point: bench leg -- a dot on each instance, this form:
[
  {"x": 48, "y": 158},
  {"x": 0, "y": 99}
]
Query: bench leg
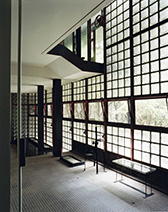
[
  {"x": 117, "y": 178},
  {"x": 85, "y": 164},
  {"x": 146, "y": 191}
]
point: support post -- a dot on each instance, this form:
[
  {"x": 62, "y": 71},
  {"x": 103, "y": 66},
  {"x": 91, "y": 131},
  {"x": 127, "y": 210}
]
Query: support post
[
  {"x": 5, "y": 29},
  {"x": 46, "y": 114},
  {"x": 72, "y": 115},
  {"x": 19, "y": 104},
  {"x": 105, "y": 91},
  {"x": 132, "y": 101},
  {"x": 96, "y": 153},
  {"x": 86, "y": 115},
  {"x": 40, "y": 120},
  {"x": 57, "y": 117}
]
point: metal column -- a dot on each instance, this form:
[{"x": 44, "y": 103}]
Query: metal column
[{"x": 19, "y": 104}]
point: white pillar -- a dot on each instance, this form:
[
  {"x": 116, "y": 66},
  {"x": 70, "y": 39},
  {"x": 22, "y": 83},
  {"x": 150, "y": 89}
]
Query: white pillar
[{"x": 5, "y": 42}]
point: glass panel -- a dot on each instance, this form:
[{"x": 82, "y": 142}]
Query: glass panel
[
  {"x": 68, "y": 42},
  {"x": 164, "y": 163},
  {"x": 49, "y": 110},
  {"x": 48, "y": 132},
  {"x": 84, "y": 45},
  {"x": 95, "y": 111},
  {"x": 66, "y": 110},
  {"x": 164, "y": 138},
  {"x": 31, "y": 110},
  {"x": 164, "y": 150},
  {"x": 66, "y": 136},
  {"x": 99, "y": 45},
  {"x": 79, "y": 111},
  {"x": 151, "y": 112},
  {"x": 155, "y": 160},
  {"x": 118, "y": 111},
  {"x": 79, "y": 129},
  {"x": 66, "y": 92},
  {"x": 79, "y": 90}
]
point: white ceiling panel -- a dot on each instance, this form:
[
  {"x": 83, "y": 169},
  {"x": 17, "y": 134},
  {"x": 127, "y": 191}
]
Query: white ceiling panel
[{"x": 46, "y": 23}]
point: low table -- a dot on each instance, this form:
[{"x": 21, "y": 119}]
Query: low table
[
  {"x": 71, "y": 160},
  {"x": 137, "y": 167}
]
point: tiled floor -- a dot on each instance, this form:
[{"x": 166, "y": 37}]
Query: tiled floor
[{"x": 51, "y": 186}]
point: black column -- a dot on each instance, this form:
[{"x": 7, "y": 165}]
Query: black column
[
  {"x": 57, "y": 117},
  {"x": 5, "y": 54},
  {"x": 40, "y": 119}
]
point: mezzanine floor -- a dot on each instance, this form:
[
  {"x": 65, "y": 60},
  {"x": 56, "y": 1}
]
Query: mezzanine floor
[{"x": 51, "y": 186}]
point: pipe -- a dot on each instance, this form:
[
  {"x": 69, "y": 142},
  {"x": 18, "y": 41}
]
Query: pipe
[{"x": 19, "y": 104}]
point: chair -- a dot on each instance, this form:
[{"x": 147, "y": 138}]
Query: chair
[{"x": 90, "y": 155}]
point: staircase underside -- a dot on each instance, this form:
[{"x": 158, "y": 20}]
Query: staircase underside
[{"x": 76, "y": 60}]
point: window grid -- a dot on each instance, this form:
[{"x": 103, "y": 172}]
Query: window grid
[
  {"x": 150, "y": 61},
  {"x": 79, "y": 90},
  {"x": 78, "y": 132},
  {"x": 24, "y": 109},
  {"x": 67, "y": 92},
  {"x": 145, "y": 14},
  {"x": 117, "y": 21},
  {"x": 148, "y": 13},
  {"x": 96, "y": 87},
  {"x": 32, "y": 98},
  {"x": 31, "y": 127},
  {"x": 119, "y": 141},
  {"x": 36, "y": 133},
  {"x": 118, "y": 70},
  {"x": 151, "y": 147},
  {"x": 49, "y": 96},
  {"x": 92, "y": 136},
  {"x": 31, "y": 110},
  {"x": 66, "y": 136},
  {"x": 48, "y": 135}
]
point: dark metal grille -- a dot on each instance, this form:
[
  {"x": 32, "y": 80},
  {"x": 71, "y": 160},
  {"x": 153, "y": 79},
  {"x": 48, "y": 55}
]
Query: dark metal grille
[
  {"x": 66, "y": 93},
  {"x": 96, "y": 87},
  {"x": 78, "y": 132},
  {"x": 119, "y": 140},
  {"x": 79, "y": 90}
]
